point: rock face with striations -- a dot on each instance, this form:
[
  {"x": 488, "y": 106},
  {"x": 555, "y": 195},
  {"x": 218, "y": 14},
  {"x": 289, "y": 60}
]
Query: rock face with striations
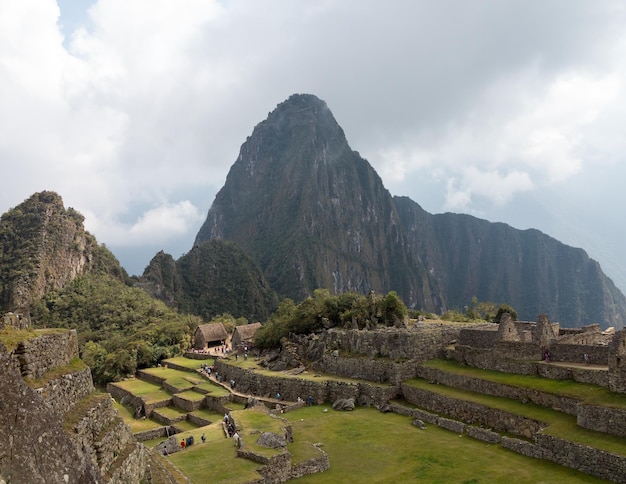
[{"x": 312, "y": 213}]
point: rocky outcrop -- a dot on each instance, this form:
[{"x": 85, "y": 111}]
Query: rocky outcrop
[
  {"x": 56, "y": 428},
  {"x": 34, "y": 446},
  {"x": 44, "y": 247}
]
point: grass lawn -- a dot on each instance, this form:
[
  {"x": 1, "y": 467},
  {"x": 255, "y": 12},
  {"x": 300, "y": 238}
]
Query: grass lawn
[
  {"x": 179, "y": 379},
  {"x": 188, "y": 362},
  {"x": 191, "y": 396},
  {"x": 136, "y": 425},
  {"x": 215, "y": 461},
  {"x": 368, "y": 446},
  {"x": 213, "y": 389},
  {"x": 186, "y": 425},
  {"x": 568, "y": 388},
  {"x": 150, "y": 392},
  {"x": 208, "y": 414},
  {"x": 171, "y": 412}
]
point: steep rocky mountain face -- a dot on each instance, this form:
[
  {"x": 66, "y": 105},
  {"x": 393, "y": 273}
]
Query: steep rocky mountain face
[
  {"x": 312, "y": 213},
  {"x": 525, "y": 268},
  {"x": 215, "y": 277},
  {"x": 44, "y": 246}
]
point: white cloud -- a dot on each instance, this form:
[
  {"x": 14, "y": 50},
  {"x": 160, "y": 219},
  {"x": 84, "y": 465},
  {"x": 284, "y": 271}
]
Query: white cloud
[{"x": 137, "y": 117}]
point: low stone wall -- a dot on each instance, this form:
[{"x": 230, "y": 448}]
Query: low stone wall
[
  {"x": 595, "y": 462},
  {"x": 598, "y": 355},
  {"x": 219, "y": 404},
  {"x": 594, "y": 376},
  {"x": 564, "y": 404},
  {"x": 164, "y": 431},
  {"x": 311, "y": 466},
  {"x": 417, "y": 413},
  {"x": 382, "y": 370},
  {"x": 603, "y": 419},
  {"x": 472, "y": 412},
  {"x": 484, "y": 435},
  {"x": 133, "y": 468},
  {"x": 290, "y": 388},
  {"x": 586, "y": 459},
  {"x": 39, "y": 355},
  {"x": 64, "y": 392},
  {"x": 493, "y": 359},
  {"x": 186, "y": 405},
  {"x": 150, "y": 377},
  {"x": 276, "y": 468},
  {"x": 523, "y": 447},
  {"x": 199, "y": 421},
  {"x": 128, "y": 398},
  {"x": 196, "y": 356},
  {"x": 481, "y": 337}
]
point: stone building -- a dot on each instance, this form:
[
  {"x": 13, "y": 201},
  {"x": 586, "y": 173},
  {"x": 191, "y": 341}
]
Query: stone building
[
  {"x": 244, "y": 334},
  {"x": 208, "y": 335}
]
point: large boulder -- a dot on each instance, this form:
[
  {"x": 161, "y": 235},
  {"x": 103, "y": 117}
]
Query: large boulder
[
  {"x": 344, "y": 404},
  {"x": 271, "y": 440}
]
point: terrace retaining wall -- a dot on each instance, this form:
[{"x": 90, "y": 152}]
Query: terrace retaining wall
[
  {"x": 64, "y": 392},
  {"x": 290, "y": 388},
  {"x": 470, "y": 412},
  {"x": 564, "y": 404},
  {"x": 39, "y": 355}
]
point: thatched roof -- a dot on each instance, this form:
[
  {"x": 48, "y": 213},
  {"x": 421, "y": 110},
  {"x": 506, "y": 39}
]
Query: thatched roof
[
  {"x": 246, "y": 331},
  {"x": 213, "y": 332}
]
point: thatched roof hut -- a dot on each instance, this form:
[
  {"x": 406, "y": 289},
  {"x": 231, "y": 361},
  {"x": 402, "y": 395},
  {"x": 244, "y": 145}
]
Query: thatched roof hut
[
  {"x": 207, "y": 335},
  {"x": 244, "y": 334}
]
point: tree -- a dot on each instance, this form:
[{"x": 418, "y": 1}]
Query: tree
[{"x": 505, "y": 308}]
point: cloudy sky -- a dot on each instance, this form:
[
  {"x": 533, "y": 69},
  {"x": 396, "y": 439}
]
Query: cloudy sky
[{"x": 134, "y": 110}]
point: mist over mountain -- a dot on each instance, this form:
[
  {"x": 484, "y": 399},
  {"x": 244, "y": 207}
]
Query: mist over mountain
[
  {"x": 313, "y": 213},
  {"x": 301, "y": 210}
]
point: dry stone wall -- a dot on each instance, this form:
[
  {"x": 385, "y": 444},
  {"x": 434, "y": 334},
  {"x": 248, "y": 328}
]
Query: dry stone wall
[
  {"x": 64, "y": 392},
  {"x": 422, "y": 342},
  {"x": 472, "y": 412},
  {"x": 39, "y": 355},
  {"x": 565, "y": 404},
  {"x": 381, "y": 370},
  {"x": 603, "y": 419},
  {"x": 290, "y": 388},
  {"x": 586, "y": 459}
]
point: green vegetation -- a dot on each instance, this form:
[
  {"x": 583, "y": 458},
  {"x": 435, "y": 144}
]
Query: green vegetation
[
  {"x": 120, "y": 328},
  {"x": 214, "y": 461},
  {"x": 187, "y": 362},
  {"x": 480, "y": 311},
  {"x": 11, "y": 337},
  {"x": 218, "y": 277},
  {"x": 324, "y": 310},
  {"x": 368, "y": 446},
  {"x": 150, "y": 392}
]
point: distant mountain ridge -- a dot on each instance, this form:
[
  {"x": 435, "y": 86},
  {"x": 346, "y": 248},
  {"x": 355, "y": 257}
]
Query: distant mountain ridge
[{"x": 313, "y": 213}]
